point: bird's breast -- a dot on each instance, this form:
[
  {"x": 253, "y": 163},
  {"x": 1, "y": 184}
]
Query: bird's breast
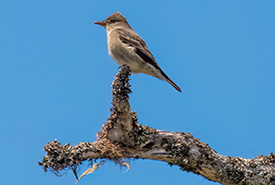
[
  {"x": 125, "y": 54},
  {"x": 122, "y": 53}
]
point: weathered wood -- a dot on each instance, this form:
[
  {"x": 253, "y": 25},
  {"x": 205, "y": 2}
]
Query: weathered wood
[{"x": 121, "y": 137}]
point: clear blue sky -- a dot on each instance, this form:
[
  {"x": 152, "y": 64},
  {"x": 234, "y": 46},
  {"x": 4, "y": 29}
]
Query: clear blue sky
[{"x": 55, "y": 77}]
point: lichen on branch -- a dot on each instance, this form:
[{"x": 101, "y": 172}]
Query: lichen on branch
[{"x": 122, "y": 138}]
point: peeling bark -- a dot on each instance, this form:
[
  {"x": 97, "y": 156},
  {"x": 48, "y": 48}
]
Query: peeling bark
[{"x": 121, "y": 137}]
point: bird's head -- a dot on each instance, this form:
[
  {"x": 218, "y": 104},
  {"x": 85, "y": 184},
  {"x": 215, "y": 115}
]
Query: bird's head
[{"x": 113, "y": 21}]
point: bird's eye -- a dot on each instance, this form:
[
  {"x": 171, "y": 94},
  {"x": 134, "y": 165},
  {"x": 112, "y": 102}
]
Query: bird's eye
[{"x": 112, "y": 20}]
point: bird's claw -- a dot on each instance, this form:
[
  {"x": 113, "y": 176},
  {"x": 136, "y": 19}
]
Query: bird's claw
[{"x": 120, "y": 67}]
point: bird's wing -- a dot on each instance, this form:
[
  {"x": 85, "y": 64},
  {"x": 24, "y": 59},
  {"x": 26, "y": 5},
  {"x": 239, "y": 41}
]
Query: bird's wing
[{"x": 132, "y": 39}]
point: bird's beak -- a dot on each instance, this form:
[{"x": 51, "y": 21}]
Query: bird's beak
[{"x": 101, "y": 23}]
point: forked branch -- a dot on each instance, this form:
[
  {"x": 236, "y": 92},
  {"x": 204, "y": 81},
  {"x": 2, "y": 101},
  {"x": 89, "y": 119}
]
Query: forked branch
[{"x": 121, "y": 137}]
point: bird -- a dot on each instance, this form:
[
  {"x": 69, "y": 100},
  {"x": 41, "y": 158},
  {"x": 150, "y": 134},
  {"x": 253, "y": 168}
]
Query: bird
[{"x": 126, "y": 47}]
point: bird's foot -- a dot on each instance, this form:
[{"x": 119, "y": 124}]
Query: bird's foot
[{"x": 120, "y": 67}]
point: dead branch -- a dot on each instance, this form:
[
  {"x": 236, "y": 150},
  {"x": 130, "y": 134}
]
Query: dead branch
[{"x": 121, "y": 137}]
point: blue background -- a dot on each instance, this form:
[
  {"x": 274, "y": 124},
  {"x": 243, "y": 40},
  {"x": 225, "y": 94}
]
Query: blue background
[{"x": 55, "y": 77}]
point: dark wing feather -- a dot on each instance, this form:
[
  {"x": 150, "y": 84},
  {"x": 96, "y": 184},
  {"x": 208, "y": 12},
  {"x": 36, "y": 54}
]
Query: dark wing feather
[
  {"x": 141, "y": 49},
  {"x": 133, "y": 39}
]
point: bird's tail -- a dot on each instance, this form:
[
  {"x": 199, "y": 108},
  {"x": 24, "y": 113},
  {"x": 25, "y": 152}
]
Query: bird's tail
[
  {"x": 173, "y": 84},
  {"x": 166, "y": 78}
]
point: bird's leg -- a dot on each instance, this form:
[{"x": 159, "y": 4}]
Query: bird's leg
[{"x": 119, "y": 67}]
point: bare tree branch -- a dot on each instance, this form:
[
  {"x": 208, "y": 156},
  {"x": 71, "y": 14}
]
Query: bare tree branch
[{"x": 121, "y": 137}]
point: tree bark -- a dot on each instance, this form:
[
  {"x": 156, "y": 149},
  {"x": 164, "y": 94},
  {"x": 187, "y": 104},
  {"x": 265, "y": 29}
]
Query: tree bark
[{"x": 121, "y": 137}]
